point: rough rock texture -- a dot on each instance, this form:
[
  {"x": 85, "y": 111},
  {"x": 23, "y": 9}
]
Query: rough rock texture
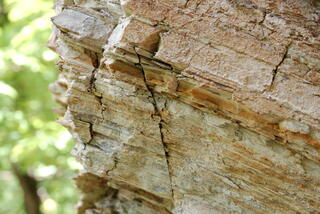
[{"x": 192, "y": 106}]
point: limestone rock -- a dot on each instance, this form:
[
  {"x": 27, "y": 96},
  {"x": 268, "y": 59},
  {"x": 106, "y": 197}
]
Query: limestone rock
[{"x": 191, "y": 106}]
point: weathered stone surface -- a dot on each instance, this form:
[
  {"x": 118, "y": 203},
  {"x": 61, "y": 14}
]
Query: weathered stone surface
[{"x": 191, "y": 106}]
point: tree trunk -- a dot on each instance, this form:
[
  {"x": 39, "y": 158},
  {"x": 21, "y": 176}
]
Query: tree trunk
[
  {"x": 29, "y": 186},
  {"x": 192, "y": 106}
]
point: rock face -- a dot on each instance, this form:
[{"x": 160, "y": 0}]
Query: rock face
[{"x": 192, "y": 106}]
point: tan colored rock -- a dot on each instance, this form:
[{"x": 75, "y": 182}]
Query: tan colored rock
[
  {"x": 191, "y": 107},
  {"x": 294, "y": 126}
]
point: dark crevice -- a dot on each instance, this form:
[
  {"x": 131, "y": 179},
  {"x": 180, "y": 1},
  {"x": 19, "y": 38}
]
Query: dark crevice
[
  {"x": 95, "y": 59},
  {"x": 91, "y": 132},
  {"x": 92, "y": 86},
  {"x": 157, "y": 113},
  {"x": 197, "y": 5},
  {"x": 186, "y": 4},
  {"x": 264, "y": 17},
  {"x": 275, "y": 70},
  {"x": 116, "y": 161},
  {"x": 90, "y": 129}
]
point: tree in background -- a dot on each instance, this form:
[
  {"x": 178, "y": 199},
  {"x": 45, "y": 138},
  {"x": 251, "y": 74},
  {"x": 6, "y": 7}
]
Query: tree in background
[{"x": 31, "y": 140}]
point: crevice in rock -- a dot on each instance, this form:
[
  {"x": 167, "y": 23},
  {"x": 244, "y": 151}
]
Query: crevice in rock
[
  {"x": 90, "y": 129},
  {"x": 92, "y": 86},
  {"x": 115, "y": 161},
  {"x": 91, "y": 132},
  {"x": 157, "y": 113},
  {"x": 197, "y": 5},
  {"x": 275, "y": 70},
  {"x": 229, "y": 180},
  {"x": 264, "y": 17},
  {"x": 186, "y": 4}
]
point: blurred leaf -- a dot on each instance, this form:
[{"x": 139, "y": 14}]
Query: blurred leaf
[{"x": 6, "y": 89}]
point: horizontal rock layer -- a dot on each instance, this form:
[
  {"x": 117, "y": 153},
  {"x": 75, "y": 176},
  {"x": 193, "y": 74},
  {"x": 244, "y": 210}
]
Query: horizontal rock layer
[{"x": 191, "y": 106}]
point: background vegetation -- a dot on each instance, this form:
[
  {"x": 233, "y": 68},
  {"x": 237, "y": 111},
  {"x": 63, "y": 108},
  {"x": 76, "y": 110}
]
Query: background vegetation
[{"x": 29, "y": 136}]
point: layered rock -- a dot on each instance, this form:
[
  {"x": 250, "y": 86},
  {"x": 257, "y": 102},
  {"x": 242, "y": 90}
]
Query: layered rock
[{"x": 192, "y": 106}]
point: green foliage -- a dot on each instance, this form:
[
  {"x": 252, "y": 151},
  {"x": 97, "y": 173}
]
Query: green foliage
[{"x": 29, "y": 135}]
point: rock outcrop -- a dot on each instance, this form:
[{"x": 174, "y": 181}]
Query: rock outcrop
[{"x": 192, "y": 106}]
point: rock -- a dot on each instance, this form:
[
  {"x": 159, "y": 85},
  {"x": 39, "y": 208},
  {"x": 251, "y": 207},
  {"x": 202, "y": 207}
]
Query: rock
[
  {"x": 191, "y": 107},
  {"x": 294, "y": 126}
]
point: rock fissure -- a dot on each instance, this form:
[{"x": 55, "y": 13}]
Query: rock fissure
[
  {"x": 91, "y": 132},
  {"x": 92, "y": 89},
  {"x": 186, "y": 3},
  {"x": 275, "y": 70},
  {"x": 157, "y": 113},
  {"x": 115, "y": 161}
]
